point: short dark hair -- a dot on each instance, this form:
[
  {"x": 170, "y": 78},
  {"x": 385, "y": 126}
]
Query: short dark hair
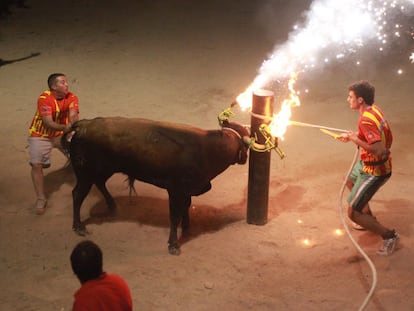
[
  {"x": 86, "y": 261},
  {"x": 365, "y": 90},
  {"x": 51, "y": 80}
]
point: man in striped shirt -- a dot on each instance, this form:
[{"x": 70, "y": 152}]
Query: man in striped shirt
[
  {"x": 57, "y": 109},
  {"x": 374, "y": 139}
]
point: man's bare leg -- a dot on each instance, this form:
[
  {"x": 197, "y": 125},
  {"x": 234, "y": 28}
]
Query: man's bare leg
[{"x": 38, "y": 183}]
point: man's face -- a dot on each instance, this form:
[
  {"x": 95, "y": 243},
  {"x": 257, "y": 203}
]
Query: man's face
[
  {"x": 354, "y": 102},
  {"x": 61, "y": 87}
]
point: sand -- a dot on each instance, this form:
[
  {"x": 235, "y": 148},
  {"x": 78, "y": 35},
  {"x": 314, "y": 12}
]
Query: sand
[{"x": 185, "y": 62}]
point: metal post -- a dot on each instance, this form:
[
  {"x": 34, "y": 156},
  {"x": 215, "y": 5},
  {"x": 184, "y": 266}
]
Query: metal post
[{"x": 259, "y": 162}]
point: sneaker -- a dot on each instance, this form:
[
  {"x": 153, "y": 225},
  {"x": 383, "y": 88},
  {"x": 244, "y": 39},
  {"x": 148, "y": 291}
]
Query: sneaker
[
  {"x": 388, "y": 245},
  {"x": 40, "y": 206},
  {"x": 358, "y": 227}
]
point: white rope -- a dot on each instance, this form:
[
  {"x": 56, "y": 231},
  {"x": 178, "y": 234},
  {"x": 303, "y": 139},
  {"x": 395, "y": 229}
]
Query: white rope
[
  {"x": 361, "y": 251},
  {"x": 297, "y": 123},
  {"x": 231, "y": 130},
  {"x": 317, "y": 126}
]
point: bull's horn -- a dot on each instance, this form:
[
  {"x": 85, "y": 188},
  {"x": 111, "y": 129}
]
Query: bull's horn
[{"x": 251, "y": 143}]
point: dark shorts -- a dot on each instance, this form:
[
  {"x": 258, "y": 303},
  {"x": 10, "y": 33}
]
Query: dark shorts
[{"x": 365, "y": 186}]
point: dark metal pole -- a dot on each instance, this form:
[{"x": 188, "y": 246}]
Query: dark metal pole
[{"x": 259, "y": 162}]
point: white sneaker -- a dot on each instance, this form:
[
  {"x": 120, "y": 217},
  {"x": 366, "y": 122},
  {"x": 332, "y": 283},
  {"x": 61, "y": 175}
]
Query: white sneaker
[
  {"x": 40, "y": 206},
  {"x": 388, "y": 245},
  {"x": 358, "y": 227}
]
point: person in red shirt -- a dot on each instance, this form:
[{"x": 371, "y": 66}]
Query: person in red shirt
[
  {"x": 57, "y": 109},
  {"x": 100, "y": 291},
  {"x": 374, "y": 139}
]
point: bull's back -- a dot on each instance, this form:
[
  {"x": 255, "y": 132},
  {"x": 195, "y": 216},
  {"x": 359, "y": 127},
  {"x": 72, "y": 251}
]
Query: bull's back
[{"x": 151, "y": 151}]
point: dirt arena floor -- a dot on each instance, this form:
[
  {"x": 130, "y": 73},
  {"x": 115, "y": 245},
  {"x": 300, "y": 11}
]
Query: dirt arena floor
[{"x": 186, "y": 61}]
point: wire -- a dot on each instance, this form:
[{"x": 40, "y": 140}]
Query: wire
[{"x": 361, "y": 251}]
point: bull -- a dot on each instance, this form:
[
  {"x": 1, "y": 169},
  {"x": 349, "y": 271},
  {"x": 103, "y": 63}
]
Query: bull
[{"x": 179, "y": 158}]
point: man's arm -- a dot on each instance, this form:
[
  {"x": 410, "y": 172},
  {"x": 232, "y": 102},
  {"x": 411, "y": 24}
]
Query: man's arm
[
  {"x": 73, "y": 116},
  {"x": 377, "y": 148},
  {"x": 49, "y": 123}
]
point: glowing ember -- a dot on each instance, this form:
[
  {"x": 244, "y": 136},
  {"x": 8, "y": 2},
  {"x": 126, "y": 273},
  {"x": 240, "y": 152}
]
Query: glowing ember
[
  {"x": 339, "y": 232},
  {"x": 307, "y": 243}
]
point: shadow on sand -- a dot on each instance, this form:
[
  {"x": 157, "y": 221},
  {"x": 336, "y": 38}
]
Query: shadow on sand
[
  {"x": 155, "y": 212},
  {"x": 54, "y": 180}
]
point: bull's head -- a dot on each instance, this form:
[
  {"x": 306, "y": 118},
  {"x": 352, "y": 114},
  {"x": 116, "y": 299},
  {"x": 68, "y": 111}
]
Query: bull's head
[{"x": 243, "y": 134}]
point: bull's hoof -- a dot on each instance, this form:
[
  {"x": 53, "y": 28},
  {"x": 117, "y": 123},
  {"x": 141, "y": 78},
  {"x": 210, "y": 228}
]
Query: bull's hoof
[
  {"x": 80, "y": 230},
  {"x": 174, "y": 249}
]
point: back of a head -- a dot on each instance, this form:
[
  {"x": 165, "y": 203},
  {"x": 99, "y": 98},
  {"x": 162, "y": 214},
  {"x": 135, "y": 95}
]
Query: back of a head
[{"x": 86, "y": 261}]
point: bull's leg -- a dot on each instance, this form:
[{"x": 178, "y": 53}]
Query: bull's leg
[
  {"x": 108, "y": 197},
  {"x": 179, "y": 203},
  {"x": 185, "y": 223},
  {"x": 79, "y": 194}
]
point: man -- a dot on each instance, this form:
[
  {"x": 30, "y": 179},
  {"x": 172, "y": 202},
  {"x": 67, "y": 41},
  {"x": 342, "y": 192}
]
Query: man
[
  {"x": 374, "y": 139},
  {"x": 56, "y": 110},
  {"x": 99, "y": 290}
]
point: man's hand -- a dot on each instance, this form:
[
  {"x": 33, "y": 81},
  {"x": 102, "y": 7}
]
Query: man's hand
[
  {"x": 67, "y": 128},
  {"x": 350, "y": 136}
]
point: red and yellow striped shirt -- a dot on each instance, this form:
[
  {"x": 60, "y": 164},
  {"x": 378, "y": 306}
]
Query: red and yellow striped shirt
[
  {"x": 372, "y": 128},
  {"x": 48, "y": 105}
]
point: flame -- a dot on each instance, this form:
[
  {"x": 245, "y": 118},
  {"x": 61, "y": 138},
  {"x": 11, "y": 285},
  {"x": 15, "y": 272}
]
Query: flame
[
  {"x": 280, "y": 120},
  {"x": 245, "y": 99}
]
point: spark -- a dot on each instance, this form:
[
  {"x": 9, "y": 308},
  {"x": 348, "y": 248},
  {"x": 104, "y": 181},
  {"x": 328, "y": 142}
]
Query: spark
[{"x": 332, "y": 30}]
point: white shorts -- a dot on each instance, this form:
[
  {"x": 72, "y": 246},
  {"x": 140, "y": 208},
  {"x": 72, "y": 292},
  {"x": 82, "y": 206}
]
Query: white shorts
[{"x": 40, "y": 149}]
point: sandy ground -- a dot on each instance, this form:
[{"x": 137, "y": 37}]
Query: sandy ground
[{"x": 185, "y": 62}]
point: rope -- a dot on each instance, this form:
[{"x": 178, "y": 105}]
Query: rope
[
  {"x": 361, "y": 251},
  {"x": 232, "y": 130}
]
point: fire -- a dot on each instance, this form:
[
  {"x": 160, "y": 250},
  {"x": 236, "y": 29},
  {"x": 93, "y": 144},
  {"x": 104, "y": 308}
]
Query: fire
[
  {"x": 280, "y": 121},
  {"x": 245, "y": 99}
]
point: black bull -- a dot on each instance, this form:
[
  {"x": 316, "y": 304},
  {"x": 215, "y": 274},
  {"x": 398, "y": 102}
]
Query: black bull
[{"x": 176, "y": 157}]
